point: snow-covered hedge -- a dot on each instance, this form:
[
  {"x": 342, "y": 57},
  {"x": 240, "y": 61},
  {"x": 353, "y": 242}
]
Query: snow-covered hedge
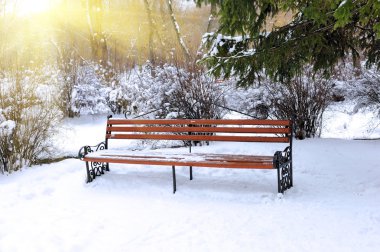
[
  {"x": 252, "y": 101},
  {"x": 6, "y": 131},
  {"x": 29, "y": 99},
  {"x": 28, "y": 118},
  {"x": 171, "y": 92},
  {"x": 90, "y": 93}
]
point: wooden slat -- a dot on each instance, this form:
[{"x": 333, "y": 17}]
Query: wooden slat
[
  {"x": 200, "y": 121},
  {"x": 212, "y": 164},
  {"x": 240, "y": 158},
  {"x": 199, "y": 138},
  {"x": 206, "y": 157},
  {"x": 200, "y": 129}
]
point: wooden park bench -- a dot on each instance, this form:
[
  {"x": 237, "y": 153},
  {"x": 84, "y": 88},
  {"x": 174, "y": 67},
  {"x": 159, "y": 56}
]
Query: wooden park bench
[{"x": 99, "y": 157}]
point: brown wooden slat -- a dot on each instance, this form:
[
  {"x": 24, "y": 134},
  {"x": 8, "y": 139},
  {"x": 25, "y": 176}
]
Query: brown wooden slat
[
  {"x": 201, "y": 122},
  {"x": 201, "y": 129},
  {"x": 207, "y": 157},
  {"x": 240, "y": 159},
  {"x": 213, "y": 164},
  {"x": 199, "y": 138}
]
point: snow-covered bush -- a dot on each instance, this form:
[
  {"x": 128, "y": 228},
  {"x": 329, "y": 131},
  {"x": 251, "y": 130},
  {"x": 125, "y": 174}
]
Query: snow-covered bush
[
  {"x": 28, "y": 118},
  {"x": 6, "y": 132},
  {"x": 252, "y": 101},
  {"x": 89, "y": 94},
  {"x": 143, "y": 89},
  {"x": 362, "y": 89},
  {"x": 116, "y": 101},
  {"x": 172, "y": 92},
  {"x": 68, "y": 66},
  {"x": 368, "y": 92},
  {"x": 194, "y": 95},
  {"x": 306, "y": 97},
  {"x": 87, "y": 88}
]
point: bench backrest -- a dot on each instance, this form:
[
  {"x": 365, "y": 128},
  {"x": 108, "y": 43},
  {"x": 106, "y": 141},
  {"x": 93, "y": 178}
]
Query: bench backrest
[{"x": 242, "y": 130}]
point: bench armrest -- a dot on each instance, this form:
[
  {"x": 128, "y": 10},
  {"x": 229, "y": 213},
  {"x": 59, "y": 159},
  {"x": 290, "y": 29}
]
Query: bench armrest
[
  {"x": 282, "y": 161},
  {"x": 282, "y": 157},
  {"x": 88, "y": 149}
]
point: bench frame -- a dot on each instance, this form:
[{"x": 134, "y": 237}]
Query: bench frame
[{"x": 282, "y": 160}]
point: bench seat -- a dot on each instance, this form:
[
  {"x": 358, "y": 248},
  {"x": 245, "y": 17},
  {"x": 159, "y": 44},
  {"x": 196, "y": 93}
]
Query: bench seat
[{"x": 188, "y": 159}]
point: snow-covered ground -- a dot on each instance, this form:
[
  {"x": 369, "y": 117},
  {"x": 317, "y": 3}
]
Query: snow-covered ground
[
  {"x": 340, "y": 121},
  {"x": 333, "y": 206}
]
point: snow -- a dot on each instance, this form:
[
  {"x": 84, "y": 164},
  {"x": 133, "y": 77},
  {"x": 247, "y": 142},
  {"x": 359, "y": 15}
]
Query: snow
[
  {"x": 181, "y": 155},
  {"x": 342, "y": 3},
  {"x": 7, "y": 127},
  {"x": 218, "y": 40},
  {"x": 334, "y": 204},
  {"x": 341, "y": 122}
]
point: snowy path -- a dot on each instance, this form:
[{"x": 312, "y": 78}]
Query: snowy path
[{"x": 334, "y": 206}]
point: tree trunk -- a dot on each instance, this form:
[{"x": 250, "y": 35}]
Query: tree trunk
[
  {"x": 67, "y": 60},
  {"x": 97, "y": 37},
  {"x": 212, "y": 18},
  {"x": 180, "y": 40},
  {"x": 356, "y": 63},
  {"x": 151, "y": 31},
  {"x": 210, "y": 26}
]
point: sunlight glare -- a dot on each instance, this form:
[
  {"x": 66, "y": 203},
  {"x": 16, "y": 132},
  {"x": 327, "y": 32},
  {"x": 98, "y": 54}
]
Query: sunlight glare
[{"x": 30, "y": 7}]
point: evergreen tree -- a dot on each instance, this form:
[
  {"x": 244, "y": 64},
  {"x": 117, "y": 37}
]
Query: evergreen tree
[{"x": 321, "y": 33}]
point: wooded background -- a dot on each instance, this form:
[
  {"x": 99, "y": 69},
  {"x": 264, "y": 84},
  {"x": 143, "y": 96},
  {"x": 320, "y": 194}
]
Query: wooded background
[{"x": 118, "y": 33}]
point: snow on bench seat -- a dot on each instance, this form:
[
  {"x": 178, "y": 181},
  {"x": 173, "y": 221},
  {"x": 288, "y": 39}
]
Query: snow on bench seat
[{"x": 188, "y": 159}]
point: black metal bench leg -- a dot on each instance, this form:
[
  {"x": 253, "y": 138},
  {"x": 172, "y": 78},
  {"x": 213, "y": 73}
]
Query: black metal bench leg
[
  {"x": 95, "y": 169},
  {"x": 279, "y": 180},
  {"x": 174, "y": 181},
  {"x": 291, "y": 174},
  {"x": 191, "y": 173},
  {"x": 89, "y": 177},
  {"x": 284, "y": 177}
]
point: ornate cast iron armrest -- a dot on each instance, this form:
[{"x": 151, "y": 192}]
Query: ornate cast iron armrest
[
  {"x": 88, "y": 149},
  {"x": 283, "y": 163},
  {"x": 282, "y": 157}
]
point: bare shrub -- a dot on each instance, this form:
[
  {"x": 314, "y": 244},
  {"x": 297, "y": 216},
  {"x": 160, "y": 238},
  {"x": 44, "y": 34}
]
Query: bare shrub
[
  {"x": 305, "y": 97},
  {"x": 33, "y": 117},
  {"x": 69, "y": 75},
  {"x": 87, "y": 88},
  {"x": 116, "y": 101},
  {"x": 6, "y": 133},
  {"x": 251, "y": 101},
  {"x": 170, "y": 91},
  {"x": 368, "y": 92},
  {"x": 195, "y": 96}
]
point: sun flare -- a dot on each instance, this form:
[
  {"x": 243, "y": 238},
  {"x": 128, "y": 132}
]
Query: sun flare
[{"x": 30, "y": 7}]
